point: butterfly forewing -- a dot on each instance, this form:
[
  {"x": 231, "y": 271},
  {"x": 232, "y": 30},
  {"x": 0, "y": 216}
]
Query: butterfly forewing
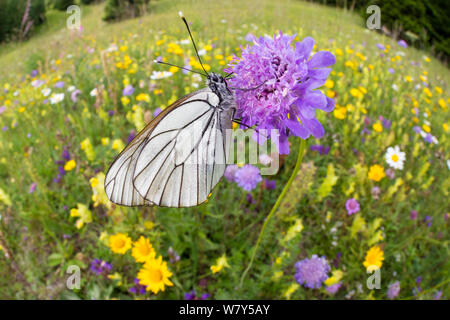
[{"x": 177, "y": 159}]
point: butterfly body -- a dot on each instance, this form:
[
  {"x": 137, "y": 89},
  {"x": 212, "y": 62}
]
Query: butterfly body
[{"x": 180, "y": 156}]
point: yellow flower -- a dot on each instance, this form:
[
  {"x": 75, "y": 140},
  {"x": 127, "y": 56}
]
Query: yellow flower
[
  {"x": 220, "y": 264},
  {"x": 329, "y": 84},
  {"x": 119, "y": 243},
  {"x": 376, "y": 172},
  {"x": 70, "y": 165},
  {"x": 149, "y": 225},
  {"x": 88, "y": 149},
  {"x": 426, "y": 128},
  {"x": 143, "y": 97},
  {"x": 438, "y": 90},
  {"x": 118, "y": 145},
  {"x": 83, "y": 213},
  {"x": 143, "y": 250},
  {"x": 442, "y": 103},
  {"x": 336, "y": 276},
  {"x": 339, "y": 52},
  {"x": 155, "y": 275},
  {"x": 374, "y": 258},
  {"x": 125, "y": 100},
  {"x": 105, "y": 141},
  {"x": 340, "y": 112},
  {"x": 445, "y": 126},
  {"x": 427, "y": 92},
  {"x": 356, "y": 93},
  {"x": 377, "y": 127},
  {"x": 98, "y": 191}
]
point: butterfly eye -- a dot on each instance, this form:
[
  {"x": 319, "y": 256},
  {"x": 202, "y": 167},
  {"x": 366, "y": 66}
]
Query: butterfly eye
[{"x": 215, "y": 78}]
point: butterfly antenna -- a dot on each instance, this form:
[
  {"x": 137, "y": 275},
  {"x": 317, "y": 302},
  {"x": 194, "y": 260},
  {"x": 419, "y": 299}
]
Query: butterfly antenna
[
  {"x": 193, "y": 42},
  {"x": 173, "y": 65}
]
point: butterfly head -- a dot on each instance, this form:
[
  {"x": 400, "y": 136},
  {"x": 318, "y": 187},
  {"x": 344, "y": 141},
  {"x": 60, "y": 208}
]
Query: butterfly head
[{"x": 217, "y": 84}]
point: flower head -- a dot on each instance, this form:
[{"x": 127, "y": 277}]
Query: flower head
[
  {"x": 142, "y": 250},
  {"x": 393, "y": 290},
  {"x": 395, "y": 158},
  {"x": 220, "y": 264},
  {"x": 284, "y": 80},
  {"x": 376, "y": 172},
  {"x": 100, "y": 267},
  {"x": 119, "y": 243},
  {"x": 312, "y": 272},
  {"x": 155, "y": 275},
  {"x": 247, "y": 177},
  {"x": 83, "y": 214},
  {"x": 230, "y": 171},
  {"x": 374, "y": 258},
  {"x": 352, "y": 206}
]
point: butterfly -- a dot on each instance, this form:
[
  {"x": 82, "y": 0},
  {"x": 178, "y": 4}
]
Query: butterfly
[{"x": 180, "y": 156}]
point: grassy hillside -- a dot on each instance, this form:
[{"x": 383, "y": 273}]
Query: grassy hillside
[{"x": 65, "y": 115}]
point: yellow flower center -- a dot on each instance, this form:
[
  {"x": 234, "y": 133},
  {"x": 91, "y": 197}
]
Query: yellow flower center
[
  {"x": 395, "y": 158},
  {"x": 144, "y": 250},
  {"x": 119, "y": 243},
  {"x": 155, "y": 275}
]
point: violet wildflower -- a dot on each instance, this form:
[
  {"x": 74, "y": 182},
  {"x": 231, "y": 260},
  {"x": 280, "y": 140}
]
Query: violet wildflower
[
  {"x": 413, "y": 214},
  {"x": 59, "y": 84},
  {"x": 156, "y": 112},
  {"x": 131, "y": 135},
  {"x": 352, "y": 206},
  {"x": 287, "y": 100},
  {"x": 32, "y": 187},
  {"x": 321, "y": 149},
  {"x": 402, "y": 43},
  {"x": 438, "y": 295},
  {"x": 381, "y": 46},
  {"x": 428, "y": 220},
  {"x": 376, "y": 191},
  {"x": 333, "y": 288},
  {"x": 312, "y": 272},
  {"x": 390, "y": 173},
  {"x": 247, "y": 177},
  {"x": 270, "y": 184},
  {"x": 2, "y": 109},
  {"x": 191, "y": 295},
  {"x": 74, "y": 95},
  {"x": 391, "y": 71},
  {"x": 173, "y": 255},
  {"x": 393, "y": 290},
  {"x": 128, "y": 90},
  {"x": 138, "y": 288},
  {"x": 230, "y": 171},
  {"x": 100, "y": 267}
]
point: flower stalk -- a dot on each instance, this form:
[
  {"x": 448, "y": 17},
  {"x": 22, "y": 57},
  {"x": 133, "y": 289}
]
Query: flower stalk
[{"x": 301, "y": 152}]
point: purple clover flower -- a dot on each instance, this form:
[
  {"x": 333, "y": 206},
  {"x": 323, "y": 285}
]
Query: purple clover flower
[
  {"x": 312, "y": 272},
  {"x": 413, "y": 215},
  {"x": 287, "y": 94},
  {"x": 393, "y": 290},
  {"x": 247, "y": 177},
  {"x": 352, "y": 206}
]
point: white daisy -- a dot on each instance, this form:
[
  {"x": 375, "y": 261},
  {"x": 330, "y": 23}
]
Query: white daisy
[
  {"x": 156, "y": 75},
  {"x": 395, "y": 158},
  {"x": 56, "y": 97}
]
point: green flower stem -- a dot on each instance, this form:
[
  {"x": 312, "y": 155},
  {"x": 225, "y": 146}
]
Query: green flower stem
[{"x": 301, "y": 152}]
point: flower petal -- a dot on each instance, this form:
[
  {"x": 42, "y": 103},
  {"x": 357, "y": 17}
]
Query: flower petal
[
  {"x": 297, "y": 128},
  {"x": 314, "y": 126},
  {"x": 322, "y": 59},
  {"x": 303, "y": 49}
]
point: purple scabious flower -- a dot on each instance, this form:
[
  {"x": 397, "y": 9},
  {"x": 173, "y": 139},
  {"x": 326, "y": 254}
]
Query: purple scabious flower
[
  {"x": 59, "y": 84},
  {"x": 402, "y": 43},
  {"x": 100, "y": 267},
  {"x": 128, "y": 90},
  {"x": 352, "y": 206},
  {"x": 393, "y": 290},
  {"x": 284, "y": 80},
  {"x": 247, "y": 177},
  {"x": 312, "y": 272},
  {"x": 230, "y": 171}
]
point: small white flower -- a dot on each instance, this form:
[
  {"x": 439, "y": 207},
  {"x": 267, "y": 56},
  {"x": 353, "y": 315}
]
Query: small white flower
[
  {"x": 201, "y": 52},
  {"x": 56, "y": 97},
  {"x": 395, "y": 158},
  {"x": 448, "y": 164},
  {"x": 37, "y": 83},
  {"x": 94, "y": 92},
  {"x": 265, "y": 159},
  {"x": 185, "y": 41},
  {"x": 156, "y": 75},
  {"x": 46, "y": 92},
  {"x": 71, "y": 88},
  {"x": 395, "y": 87}
]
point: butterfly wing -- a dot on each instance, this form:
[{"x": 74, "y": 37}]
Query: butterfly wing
[{"x": 173, "y": 161}]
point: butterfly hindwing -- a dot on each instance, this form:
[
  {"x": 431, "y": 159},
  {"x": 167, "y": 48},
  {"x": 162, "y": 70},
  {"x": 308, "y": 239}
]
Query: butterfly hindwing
[{"x": 176, "y": 159}]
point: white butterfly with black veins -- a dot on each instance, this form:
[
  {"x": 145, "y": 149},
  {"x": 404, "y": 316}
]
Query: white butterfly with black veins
[{"x": 180, "y": 156}]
